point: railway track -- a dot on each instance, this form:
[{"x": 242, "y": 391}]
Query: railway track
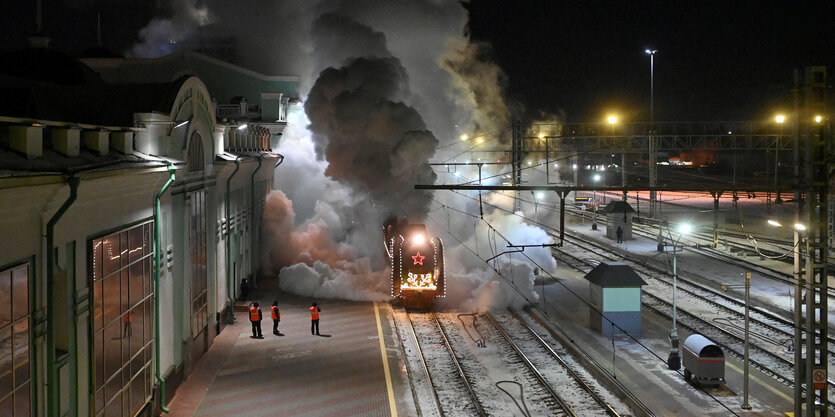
[
  {"x": 445, "y": 380},
  {"x": 772, "y": 333},
  {"x": 578, "y": 391},
  {"x": 466, "y": 368}
]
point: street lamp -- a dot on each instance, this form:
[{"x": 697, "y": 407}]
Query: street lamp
[
  {"x": 747, "y": 285},
  {"x": 779, "y": 119},
  {"x": 674, "y": 359},
  {"x": 652, "y": 167},
  {"x": 536, "y": 197},
  {"x": 594, "y": 202},
  {"x": 651, "y": 53}
]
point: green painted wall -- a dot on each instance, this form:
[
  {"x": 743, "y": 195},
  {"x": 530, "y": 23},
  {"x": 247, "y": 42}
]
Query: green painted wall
[{"x": 621, "y": 299}]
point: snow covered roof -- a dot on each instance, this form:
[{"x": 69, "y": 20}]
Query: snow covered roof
[
  {"x": 614, "y": 275},
  {"x": 618, "y": 206}
]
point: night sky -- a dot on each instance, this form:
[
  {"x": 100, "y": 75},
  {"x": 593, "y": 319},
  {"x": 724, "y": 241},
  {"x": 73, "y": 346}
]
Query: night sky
[
  {"x": 722, "y": 60},
  {"x": 579, "y": 60}
]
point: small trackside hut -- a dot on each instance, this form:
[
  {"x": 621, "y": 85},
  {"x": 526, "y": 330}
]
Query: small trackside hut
[
  {"x": 703, "y": 360},
  {"x": 615, "y": 291},
  {"x": 618, "y": 214}
]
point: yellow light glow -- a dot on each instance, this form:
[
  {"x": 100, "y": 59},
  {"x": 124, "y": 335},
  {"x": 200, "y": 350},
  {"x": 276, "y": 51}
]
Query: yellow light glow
[
  {"x": 774, "y": 223},
  {"x": 419, "y": 239},
  {"x": 464, "y": 137},
  {"x": 818, "y": 119},
  {"x": 780, "y": 118},
  {"x": 419, "y": 282},
  {"x": 541, "y": 135},
  {"x": 480, "y": 140},
  {"x": 613, "y": 120},
  {"x": 800, "y": 226}
]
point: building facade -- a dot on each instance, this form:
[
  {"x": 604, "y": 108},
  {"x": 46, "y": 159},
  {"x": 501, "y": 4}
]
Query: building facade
[{"x": 131, "y": 212}]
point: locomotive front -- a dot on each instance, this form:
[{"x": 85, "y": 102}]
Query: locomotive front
[{"x": 417, "y": 272}]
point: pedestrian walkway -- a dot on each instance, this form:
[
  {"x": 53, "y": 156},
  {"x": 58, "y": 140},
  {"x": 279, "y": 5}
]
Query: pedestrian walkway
[{"x": 340, "y": 373}]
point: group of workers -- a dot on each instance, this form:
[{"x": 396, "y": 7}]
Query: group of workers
[{"x": 255, "y": 318}]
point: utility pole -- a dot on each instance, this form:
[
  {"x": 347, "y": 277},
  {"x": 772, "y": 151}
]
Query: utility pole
[
  {"x": 516, "y": 161},
  {"x": 811, "y": 256}
]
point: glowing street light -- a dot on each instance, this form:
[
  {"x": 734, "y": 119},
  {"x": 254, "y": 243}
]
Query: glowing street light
[
  {"x": 818, "y": 118},
  {"x": 779, "y": 118},
  {"x": 464, "y": 137},
  {"x": 798, "y": 227},
  {"x": 674, "y": 359}
]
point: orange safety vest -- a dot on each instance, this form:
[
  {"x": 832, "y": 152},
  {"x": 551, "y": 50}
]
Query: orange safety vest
[
  {"x": 314, "y": 313},
  {"x": 254, "y": 314},
  {"x": 276, "y": 313}
]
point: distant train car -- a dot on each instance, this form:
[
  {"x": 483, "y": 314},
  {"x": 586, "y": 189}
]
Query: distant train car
[{"x": 417, "y": 263}]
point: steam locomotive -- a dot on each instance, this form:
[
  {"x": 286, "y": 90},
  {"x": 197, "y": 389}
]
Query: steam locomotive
[{"x": 417, "y": 263}]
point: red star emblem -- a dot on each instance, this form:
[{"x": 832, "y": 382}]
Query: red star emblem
[{"x": 418, "y": 259}]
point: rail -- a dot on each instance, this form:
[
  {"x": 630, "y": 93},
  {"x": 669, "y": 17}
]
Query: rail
[
  {"x": 425, "y": 368},
  {"x": 567, "y": 408},
  {"x": 461, "y": 373},
  {"x": 609, "y": 410}
]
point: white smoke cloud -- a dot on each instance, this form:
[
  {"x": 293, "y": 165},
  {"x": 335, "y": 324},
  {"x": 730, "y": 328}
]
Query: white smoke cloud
[{"x": 385, "y": 84}]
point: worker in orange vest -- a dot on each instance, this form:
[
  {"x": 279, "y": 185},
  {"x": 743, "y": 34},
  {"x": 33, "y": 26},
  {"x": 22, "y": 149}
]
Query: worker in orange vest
[
  {"x": 276, "y": 316},
  {"x": 127, "y": 320},
  {"x": 255, "y": 318},
  {"x": 314, "y": 319}
]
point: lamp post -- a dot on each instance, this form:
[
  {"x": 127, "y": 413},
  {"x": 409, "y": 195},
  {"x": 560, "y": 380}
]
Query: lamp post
[
  {"x": 674, "y": 359},
  {"x": 651, "y": 53},
  {"x": 747, "y": 285},
  {"x": 536, "y": 198},
  {"x": 779, "y": 119},
  {"x": 652, "y": 167},
  {"x": 612, "y": 121},
  {"x": 594, "y": 203}
]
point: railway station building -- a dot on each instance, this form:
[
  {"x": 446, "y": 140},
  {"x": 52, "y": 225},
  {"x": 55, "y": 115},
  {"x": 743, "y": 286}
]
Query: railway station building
[{"x": 130, "y": 201}]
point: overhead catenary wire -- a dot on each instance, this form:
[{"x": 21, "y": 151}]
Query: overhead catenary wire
[{"x": 581, "y": 299}]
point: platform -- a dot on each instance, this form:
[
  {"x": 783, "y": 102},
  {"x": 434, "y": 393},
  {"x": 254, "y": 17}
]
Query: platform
[{"x": 340, "y": 373}]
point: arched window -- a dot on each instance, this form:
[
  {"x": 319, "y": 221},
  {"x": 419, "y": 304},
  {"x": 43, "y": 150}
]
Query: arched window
[{"x": 195, "y": 153}]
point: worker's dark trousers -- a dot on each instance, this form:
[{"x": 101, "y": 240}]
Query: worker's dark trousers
[
  {"x": 256, "y": 328},
  {"x": 314, "y": 326},
  {"x": 275, "y": 326}
]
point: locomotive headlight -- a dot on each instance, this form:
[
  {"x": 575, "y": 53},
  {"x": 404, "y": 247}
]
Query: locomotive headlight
[{"x": 418, "y": 239}]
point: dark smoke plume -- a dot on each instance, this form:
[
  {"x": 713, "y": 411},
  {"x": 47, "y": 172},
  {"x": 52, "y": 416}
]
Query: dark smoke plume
[{"x": 369, "y": 138}]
